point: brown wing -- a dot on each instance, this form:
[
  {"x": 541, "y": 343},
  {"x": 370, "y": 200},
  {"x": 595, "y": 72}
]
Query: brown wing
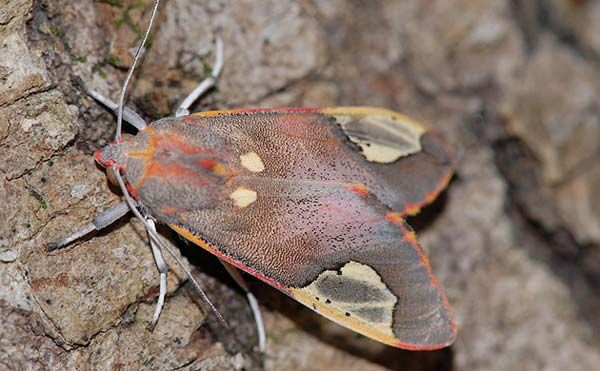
[
  {"x": 303, "y": 200},
  {"x": 338, "y": 252},
  {"x": 416, "y": 165}
]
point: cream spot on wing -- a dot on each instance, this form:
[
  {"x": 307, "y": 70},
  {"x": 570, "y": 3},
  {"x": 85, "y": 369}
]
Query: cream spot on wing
[
  {"x": 243, "y": 197},
  {"x": 381, "y": 138},
  {"x": 356, "y": 296},
  {"x": 252, "y": 162}
]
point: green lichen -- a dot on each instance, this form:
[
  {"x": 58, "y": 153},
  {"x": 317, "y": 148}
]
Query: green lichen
[
  {"x": 112, "y": 60},
  {"x": 56, "y": 31},
  {"x": 39, "y": 197},
  {"x": 127, "y": 20}
]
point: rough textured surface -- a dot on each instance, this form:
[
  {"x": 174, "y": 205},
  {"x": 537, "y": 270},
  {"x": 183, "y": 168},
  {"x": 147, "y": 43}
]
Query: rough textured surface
[
  {"x": 515, "y": 241},
  {"x": 562, "y": 130}
]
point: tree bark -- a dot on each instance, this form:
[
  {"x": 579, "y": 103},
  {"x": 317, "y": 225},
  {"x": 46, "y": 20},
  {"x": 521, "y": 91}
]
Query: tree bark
[{"x": 513, "y": 85}]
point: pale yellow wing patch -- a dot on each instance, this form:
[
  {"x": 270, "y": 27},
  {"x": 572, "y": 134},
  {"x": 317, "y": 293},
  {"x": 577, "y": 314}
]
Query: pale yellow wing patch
[
  {"x": 355, "y": 297},
  {"x": 252, "y": 162},
  {"x": 243, "y": 197},
  {"x": 383, "y": 136}
]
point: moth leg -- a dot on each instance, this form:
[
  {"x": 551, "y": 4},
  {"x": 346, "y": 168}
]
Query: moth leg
[
  {"x": 129, "y": 115},
  {"x": 162, "y": 270},
  {"x": 102, "y": 220},
  {"x": 206, "y": 84},
  {"x": 260, "y": 327}
]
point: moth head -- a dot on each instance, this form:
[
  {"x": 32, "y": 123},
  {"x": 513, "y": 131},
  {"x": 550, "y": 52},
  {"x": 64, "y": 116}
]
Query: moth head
[{"x": 114, "y": 156}]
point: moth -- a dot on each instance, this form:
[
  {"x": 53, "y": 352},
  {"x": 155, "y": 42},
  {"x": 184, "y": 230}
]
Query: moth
[{"x": 311, "y": 201}]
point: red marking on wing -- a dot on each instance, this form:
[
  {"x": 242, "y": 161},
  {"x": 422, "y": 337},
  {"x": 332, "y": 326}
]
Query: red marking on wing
[
  {"x": 175, "y": 140},
  {"x": 279, "y": 109},
  {"x": 207, "y": 164},
  {"x": 360, "y": 189},
  {"x": 415, "y": 207},
  {"x": 161, "y": 170},
  {"x": 218, "y": 168},
  {"x": 411, "y": 238},
  {"x": 189, "y": 120},
  {"x": 409, "y": 346},
  {"x": 430, "y": 196},
  {"x": 257, "y": 110},
  {"x": 251, "y": 271},
  {"x": 205, "y": 245},
  {"x": 169, "y": 210},
  {"x": 168, "y": 139}
]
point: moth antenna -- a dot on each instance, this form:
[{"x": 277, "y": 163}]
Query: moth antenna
[
  {"x": 163, "y": 245},
  {"x": 136, "y": 58}
]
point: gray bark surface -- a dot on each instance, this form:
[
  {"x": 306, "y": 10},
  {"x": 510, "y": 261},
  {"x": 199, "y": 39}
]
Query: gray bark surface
[{"x": 515, "y": 240}]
